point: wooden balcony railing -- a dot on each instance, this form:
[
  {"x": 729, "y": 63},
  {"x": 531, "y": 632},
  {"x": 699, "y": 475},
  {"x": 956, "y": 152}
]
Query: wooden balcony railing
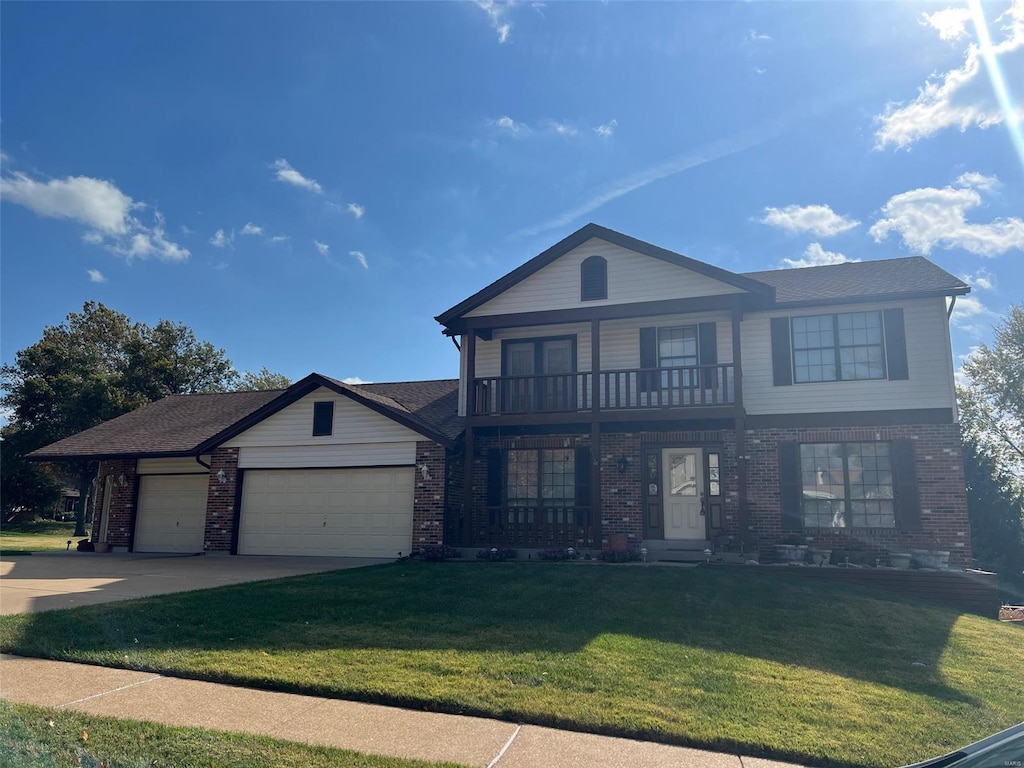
[{"x": 693, "y": 386}]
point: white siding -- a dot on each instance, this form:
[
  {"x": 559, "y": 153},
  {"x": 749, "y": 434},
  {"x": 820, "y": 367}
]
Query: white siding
[
  {"x": 928, "y": 357},
  {"x": 305, "y": 456},
  {"x": 180, "y": 466},
  {"x": 293, "y": 425},
  {"x": 632, "y": 277}
]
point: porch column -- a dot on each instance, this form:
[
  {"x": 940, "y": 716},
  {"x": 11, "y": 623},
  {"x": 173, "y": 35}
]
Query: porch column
[
  {"x": 469, "y": 350},
  {"x": 595, "y": 431},
  {"x": 741, "y": 462}
]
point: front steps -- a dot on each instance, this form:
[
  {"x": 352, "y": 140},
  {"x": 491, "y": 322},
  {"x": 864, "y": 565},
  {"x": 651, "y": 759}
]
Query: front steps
[{"x": 676, "y": 551}]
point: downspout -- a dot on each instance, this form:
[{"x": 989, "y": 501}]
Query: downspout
[
  {"x": 201, "y": 463},
  {"x": 456, "y": 343},
  {"x": 952, "y": 303}
]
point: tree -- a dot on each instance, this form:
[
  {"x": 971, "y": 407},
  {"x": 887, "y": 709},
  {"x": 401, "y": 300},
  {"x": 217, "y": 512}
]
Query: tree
[
  {"x": 97, "y": 365},
  {"x": 992, "y": 425},
  {"x": 265, "y": 379},
  {"x": 25, "y": 486}
]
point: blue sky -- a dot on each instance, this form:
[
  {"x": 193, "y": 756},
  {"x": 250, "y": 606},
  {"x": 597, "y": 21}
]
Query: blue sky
[{"x": 308, "y": 184}]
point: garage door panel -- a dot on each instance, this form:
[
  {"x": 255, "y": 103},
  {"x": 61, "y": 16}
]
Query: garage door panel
[
  {"x": 171, "y": 513},
  {"x": 339, "y": 512}
]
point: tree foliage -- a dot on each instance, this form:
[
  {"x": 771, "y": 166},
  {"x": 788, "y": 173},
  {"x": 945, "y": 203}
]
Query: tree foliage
[
  {"x": 96, "y": 365},
  {"x": 262, "y": 380},
  {"x": 992, "y": 424}
]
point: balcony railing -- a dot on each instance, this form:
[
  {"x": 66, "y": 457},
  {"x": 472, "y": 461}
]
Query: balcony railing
[{"x": 692, "y": 386}]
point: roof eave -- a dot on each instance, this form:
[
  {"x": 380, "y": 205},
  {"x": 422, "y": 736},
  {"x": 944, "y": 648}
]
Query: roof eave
[{"x": 933, "y": 294}]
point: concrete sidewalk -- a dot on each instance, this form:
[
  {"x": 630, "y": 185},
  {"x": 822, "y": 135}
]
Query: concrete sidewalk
[{"x": 365, "y": 728}]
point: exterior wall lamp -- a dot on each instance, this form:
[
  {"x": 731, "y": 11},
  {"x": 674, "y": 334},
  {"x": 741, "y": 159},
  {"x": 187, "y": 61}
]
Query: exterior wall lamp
[
  {"x": 624, "y": 464},
  {"x": 121, "y": 482},
  {"x": 222, "y": 476}
]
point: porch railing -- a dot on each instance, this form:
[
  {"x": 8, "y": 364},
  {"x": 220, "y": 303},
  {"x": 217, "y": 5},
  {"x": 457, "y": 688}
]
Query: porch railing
[
  {"x": 536, "y": 527},
  {"x": 633, "y": 388}
]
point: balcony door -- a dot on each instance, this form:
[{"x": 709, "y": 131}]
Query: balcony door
[{"x": 540, "y": 375}]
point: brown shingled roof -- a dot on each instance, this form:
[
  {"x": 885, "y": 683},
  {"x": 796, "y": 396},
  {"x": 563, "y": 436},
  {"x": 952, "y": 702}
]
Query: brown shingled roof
[
  {"x": 181, "y": 424},
  {"x": 173, "y": 425},
  {"x": 914, "y": 275}
]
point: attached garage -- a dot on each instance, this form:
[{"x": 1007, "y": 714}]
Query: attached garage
[
  {"x": 356, "y": 512},
  {"x": 171, "y": 513}
]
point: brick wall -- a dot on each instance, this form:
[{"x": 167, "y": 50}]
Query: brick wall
[
  {"x": 940, "y": 481},
  {"x": 220, "y": 500},
  {"x": 122, "y": 502},
  {"x": 428, "y": 495},
  {"x": 622, "y": 498}
]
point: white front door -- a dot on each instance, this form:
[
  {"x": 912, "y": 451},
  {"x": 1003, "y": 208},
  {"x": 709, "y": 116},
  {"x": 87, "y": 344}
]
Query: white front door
[{"x": 683, "y": 493}]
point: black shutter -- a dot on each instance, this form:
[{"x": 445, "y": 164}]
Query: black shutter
[
  {"x": 583, "y": 477},
  {"x": 707, "y": 352},
  {"x": 494, "y": 475},
  {"x": 593, "y": 279},
  {"x": 895, "y": 344},
  {"x": 782, "y": 356},
  {"x": 908, "y": 500},
  {"x": 648, "y": 358},
  {"x": 791, "y": 486}
]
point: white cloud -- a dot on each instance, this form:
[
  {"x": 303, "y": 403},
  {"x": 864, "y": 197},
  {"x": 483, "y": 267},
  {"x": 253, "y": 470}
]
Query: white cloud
[
  {"x": 509, "y": 125},
  {"x": 220, "y": 240},
  {"x": 929, "y": 217},
  {"x": 973, "y": 317},
  {"x": 186, "y": 231},
  {"x": 354, "y": 380},
  {"x": 961, "y": 97},
  {"x": 816, "y": 256},
  {"x": 360, "y": 257},
  {"x": 496, "y": 14},
  {"x": 950, "y": 23},
  {"x": 982, "y": 279},
  {"x": 279, "y": 239},
  {"x": 562, "y": 129},
  {"x": 98, "y": 205},
  {"x": 324, "y": 248},
  {"x": 287, "y": 174},
  {"x": 607, "y": 129},
  {"x": 753, "y": 36},
  {"x": 819, "y": 220},
  {"x": 356, "y": 210},
  {"x": 95, "y": 276},
  {"x": 252, "y": 229}
]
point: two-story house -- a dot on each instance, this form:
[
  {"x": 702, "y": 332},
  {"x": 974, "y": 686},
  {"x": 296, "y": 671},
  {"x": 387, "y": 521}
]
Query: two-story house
[
  {"x": 611, "y": 387},
  {"x": 610, "y": 393}
]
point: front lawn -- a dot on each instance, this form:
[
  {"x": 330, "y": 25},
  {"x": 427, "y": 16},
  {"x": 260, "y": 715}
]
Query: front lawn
[
  {"x": 756, "y": 661},
  {"x": 37, "y": 737},
  {"x": 36, "y": 536}
]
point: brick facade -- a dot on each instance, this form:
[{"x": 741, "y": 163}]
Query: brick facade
[
  {"x": 220, "y": 500},
  {"x": 428, "y": 495},
  {"x": 122, "y": 502},
  {"x": 940, "y": 483}
]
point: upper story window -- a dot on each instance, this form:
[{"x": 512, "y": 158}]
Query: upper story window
[
  {"x": 323, "y": 418},
  {"x": 593, "y": 279},
  {"x": 840, "y": 347},
  {"x": 677, "y": 347}
]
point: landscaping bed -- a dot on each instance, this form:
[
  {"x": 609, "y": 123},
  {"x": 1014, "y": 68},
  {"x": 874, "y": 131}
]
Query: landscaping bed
[{"x": 745, "y": 660}]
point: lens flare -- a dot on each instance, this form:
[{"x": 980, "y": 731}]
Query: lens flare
[{"x": 1011, "y": 114}]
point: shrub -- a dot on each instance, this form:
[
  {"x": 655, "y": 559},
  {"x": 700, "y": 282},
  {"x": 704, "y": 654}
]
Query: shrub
[
  {"x": 618, "y": 556},
  {"x": 557, "y": 554},
  {"x": 496, "y": 555},
  {"x": 439, "y": 553}
]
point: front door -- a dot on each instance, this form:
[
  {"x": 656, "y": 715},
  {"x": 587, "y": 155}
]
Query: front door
[{"x": 683, "y": 492}]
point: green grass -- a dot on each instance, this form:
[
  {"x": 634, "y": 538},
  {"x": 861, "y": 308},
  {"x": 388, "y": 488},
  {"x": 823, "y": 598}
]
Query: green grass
[
  {"x": 35, "y": 536},
  {"x": 757, "y": 661},
  {"x": 36, "y": 737}
]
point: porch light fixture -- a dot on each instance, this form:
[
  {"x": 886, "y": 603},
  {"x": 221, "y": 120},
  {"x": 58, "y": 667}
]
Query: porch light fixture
[
  {"x": 222, "y": 476},
  {"x": 624, "y": 462},
  {"x": 121, "y": 482},
  {"x": 425, "y": 471}
]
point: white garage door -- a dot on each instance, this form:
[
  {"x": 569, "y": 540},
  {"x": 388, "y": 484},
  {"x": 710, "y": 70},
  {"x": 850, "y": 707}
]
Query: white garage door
[
  {"x": 172, "y": 513},
  {"x": 336, "y": 512}
]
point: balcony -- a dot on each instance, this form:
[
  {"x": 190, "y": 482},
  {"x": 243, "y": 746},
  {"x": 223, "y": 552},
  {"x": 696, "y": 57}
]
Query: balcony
[{"x": 623, "y": 391}]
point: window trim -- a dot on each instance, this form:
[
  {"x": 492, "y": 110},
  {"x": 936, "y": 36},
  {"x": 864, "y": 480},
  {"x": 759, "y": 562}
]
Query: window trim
[
  {"x": 538, "y": 353},
  {"x": 837, "y": 347},
  {"x": 596, "y": 261},
  {"x": 696, "y": 343},
  {"x": 318, "y": 405},
  {"x": 848, "y": 499},
  {"x": 538, "y": 462}
]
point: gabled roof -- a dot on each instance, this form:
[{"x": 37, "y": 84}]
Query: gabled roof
[
  {"x": 577, "y": 239},
  {"x": 911, "y": 277},
  {"x": 189, "y": 425}
]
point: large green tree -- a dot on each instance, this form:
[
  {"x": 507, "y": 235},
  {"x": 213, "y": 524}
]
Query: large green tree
[
  {"x": 96, "y": 365},
  {"x": 991, "y": 404},
  {"x": 263, "y": 379}
]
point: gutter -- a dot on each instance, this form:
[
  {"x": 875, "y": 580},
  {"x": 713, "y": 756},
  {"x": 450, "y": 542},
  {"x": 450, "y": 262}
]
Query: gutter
[{"x": 952, "y": 303}]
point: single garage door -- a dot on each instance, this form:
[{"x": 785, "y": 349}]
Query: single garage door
[
  {"x": 335, "y": 512},
  {"x": 171, "y": 513}
]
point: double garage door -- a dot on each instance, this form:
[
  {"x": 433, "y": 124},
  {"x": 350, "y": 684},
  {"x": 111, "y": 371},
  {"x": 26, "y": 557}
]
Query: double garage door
[
  {"x": 336, "y": 512},
  {"x": 322, "y": 512}
]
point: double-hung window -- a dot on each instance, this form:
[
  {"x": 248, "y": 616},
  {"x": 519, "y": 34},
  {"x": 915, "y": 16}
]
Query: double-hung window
[
  {"x": 540, "y": 485},
  {"x": 677, "y": 349},
  {"x": 840, "y": 347},
  {"x": 847, "y": 485}
]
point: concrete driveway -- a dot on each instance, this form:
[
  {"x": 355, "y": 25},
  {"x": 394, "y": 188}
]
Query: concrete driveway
[{"x": 44, "y": 582}]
